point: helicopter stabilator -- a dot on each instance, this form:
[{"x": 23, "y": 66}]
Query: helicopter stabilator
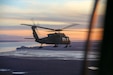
[{"x": 53, "y": 38}]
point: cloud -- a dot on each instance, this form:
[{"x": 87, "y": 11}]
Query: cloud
[
  {"x": 74, "y": 34},
  {"x": 36, "y": 6},
  {"x": 54, "y": 12}
]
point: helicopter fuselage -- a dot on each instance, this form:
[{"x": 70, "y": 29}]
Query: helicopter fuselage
[{"x": 55, "y": 38}]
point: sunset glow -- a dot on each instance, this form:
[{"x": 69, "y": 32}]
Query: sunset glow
[
  {"x": 50, "y": 13},
  {"x": 74, "y": 34}
]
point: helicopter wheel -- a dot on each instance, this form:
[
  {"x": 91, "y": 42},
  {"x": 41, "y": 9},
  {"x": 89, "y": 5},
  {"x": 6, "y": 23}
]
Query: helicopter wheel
[
  {"x": 66, "y": 46},
  {"x": 69, "y": 45},
  {"x": 41, "y": 46},
  {"x": 55, "y": 45}
]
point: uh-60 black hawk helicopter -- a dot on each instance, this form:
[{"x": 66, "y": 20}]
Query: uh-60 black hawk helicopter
[{"x": 53, "y": 38}]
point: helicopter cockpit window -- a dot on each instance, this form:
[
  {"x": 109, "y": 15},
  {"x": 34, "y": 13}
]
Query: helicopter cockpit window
[{"x": 64, "y": 39}]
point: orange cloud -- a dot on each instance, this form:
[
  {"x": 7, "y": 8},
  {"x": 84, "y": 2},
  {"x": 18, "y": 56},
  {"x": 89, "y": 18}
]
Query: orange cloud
[
  {"x": 75, "y": 34},
  {"x": 16, "y": 32}
]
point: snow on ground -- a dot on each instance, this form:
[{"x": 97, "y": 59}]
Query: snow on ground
[{"x": 64, "y": 55}]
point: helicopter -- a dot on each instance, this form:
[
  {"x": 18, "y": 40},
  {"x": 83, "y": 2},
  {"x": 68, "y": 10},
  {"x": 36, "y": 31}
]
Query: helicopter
[{"x": 52, "y": 38}]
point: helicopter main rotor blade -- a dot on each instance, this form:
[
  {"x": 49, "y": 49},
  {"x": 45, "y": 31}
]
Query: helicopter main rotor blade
[
  {"x": 45, "y": 28},
  {"x": 51, "y": 28},
  {"x": 62, "y": 29},
  {"x": 69, "y": 26},
  {"x": 57, "y": 29},
  {"x": 27, "y": 24},
  {"x": 70, "y": 30},
  {"x": 38, "y": 26}
]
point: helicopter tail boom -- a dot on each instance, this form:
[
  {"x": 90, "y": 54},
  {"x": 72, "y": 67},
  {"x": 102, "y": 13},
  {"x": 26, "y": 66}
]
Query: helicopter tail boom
[
  {"x": 33, "y": 27},
  {"x": 35, "y": 35}
]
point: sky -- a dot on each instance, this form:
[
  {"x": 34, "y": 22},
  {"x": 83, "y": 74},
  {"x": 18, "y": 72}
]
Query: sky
[{"x": 49, "y": 13}]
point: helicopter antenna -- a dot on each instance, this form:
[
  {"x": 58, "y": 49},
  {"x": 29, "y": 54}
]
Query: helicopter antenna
[{"x": 32, "y": 19}]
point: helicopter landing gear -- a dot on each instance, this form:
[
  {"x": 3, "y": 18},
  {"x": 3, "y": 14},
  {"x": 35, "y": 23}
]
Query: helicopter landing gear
[
  {"x": 55, "y": 45},
  {"x": 67, "y": 45},
  {"x": 41, "y": 46}
]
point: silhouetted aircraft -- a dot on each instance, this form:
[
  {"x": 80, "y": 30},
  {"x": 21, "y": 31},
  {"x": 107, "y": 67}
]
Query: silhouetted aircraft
[{"x": 54, "y": 38}]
